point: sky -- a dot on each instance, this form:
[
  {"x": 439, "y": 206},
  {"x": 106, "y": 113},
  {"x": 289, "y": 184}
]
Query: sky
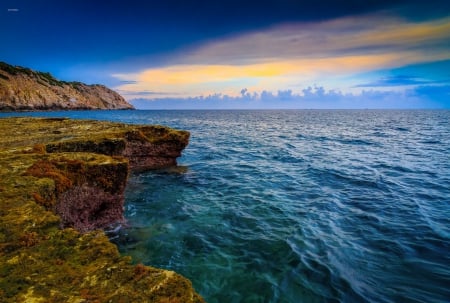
[{"x": 175, "y": 54}]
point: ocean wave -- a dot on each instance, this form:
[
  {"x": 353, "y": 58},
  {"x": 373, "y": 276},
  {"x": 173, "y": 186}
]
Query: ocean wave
[{"x": 299, "y": 206}]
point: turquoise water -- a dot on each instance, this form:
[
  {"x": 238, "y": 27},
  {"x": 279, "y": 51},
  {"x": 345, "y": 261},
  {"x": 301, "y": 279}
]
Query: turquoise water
[{"x": 298, "y": 206}]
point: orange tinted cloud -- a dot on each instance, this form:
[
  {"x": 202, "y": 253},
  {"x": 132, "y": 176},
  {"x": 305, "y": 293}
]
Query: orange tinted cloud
[
  {"x": 353, "y": 35},
  {"x": 289, "y": 55},
  {"x": 195, "y": 80}
]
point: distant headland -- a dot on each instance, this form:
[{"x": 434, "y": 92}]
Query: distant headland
[{"x": 23, "y": 89}]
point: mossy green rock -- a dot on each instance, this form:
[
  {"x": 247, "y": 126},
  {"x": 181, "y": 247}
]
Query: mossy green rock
[{"x": 52, "y": 248}]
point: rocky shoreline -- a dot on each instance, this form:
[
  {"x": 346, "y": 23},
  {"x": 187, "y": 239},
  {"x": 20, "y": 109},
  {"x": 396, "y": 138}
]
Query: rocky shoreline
[{"x": 61, "y": 182}]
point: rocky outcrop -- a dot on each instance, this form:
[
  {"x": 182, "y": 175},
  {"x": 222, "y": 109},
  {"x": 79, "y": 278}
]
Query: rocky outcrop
[
  {"x": 145, "y": 147},
  {"x": 86, "y": 195},
  {"x": 24, "y": 89},
  {"x": 61, "y": 181}
]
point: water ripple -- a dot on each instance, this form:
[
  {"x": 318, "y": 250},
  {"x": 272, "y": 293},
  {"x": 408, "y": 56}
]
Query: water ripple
[{"x": 298, "y": 206}]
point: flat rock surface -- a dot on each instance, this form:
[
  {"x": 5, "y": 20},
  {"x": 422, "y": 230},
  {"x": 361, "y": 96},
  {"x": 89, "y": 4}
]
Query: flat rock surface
[{"x": 44, "y": 257}]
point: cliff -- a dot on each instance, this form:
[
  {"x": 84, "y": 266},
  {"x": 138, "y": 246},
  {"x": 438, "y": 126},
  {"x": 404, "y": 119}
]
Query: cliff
[
  {"x": 61, "y": 181},
  {"x": 24, "y": 89}
]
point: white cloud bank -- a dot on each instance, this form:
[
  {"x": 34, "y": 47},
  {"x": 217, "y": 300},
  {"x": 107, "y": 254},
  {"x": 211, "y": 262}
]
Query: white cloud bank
[
  {"x": 289, "y": 58},
  {"x": 310, "y": 98}
]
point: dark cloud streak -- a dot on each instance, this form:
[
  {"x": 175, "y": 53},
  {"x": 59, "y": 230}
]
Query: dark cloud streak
[
  {"x": 400, "y": 80},
  {"x": 83, "y": 31}
]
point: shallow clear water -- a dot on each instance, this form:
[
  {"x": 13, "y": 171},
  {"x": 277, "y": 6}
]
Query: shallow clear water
[{"x": 298, "y": 206}]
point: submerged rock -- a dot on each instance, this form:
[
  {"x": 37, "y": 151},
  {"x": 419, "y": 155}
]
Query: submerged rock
[{"x": 61, "y": 182}]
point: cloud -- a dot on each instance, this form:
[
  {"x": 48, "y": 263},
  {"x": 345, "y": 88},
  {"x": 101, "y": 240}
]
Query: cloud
[
  {"x": 400, "y": 80},
  {"x": 147, "y": 93},
  {"x": 194, "y": 80},
  {"x": 340, "y": 37},
  {"x": 316, "y": 97},
  {"x": 128, "y": 82},
  {"x": 283, "y": 56}
]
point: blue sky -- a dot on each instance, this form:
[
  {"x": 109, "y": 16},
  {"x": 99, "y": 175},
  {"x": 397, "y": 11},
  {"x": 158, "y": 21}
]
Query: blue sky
[{"x": 240, "y": 54}]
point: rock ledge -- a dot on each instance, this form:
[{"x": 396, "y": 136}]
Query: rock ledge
[{"x": 61, "y": 181}]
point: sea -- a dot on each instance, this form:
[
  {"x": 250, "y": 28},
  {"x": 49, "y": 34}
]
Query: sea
[{"x": 296, "y": 205}]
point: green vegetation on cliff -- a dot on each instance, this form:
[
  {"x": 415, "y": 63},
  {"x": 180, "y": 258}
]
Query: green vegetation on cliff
[
  {"x": 22, "y": 88},
  {"x": 62, "y": 180}
]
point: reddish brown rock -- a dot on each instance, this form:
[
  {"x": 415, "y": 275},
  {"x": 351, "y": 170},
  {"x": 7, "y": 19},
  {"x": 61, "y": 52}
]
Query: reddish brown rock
[
  {"x": 150, "y": 147},
  {"x": 89, "y": 194},
  {"x": 75, "y": 169}
]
